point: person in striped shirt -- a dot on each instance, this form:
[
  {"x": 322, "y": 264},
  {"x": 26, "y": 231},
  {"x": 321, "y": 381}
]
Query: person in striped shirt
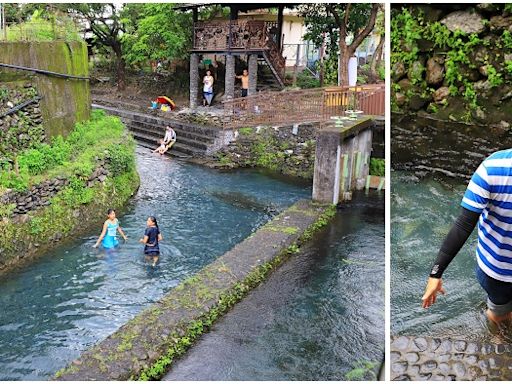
[{"x": 488, "y": 202}]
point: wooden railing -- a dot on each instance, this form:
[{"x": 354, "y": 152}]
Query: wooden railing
[
  {"x": 232, "y": 35},
  {"x": 309, "y": 105},
  {"x": 276, "y": 61}
]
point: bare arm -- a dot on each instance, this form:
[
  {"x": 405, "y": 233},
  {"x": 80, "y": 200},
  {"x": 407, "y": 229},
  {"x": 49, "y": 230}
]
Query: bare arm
[
  {"x": 160, "y": 238},
  {"x": 144, "y": 240},
  {"x": 122, "y": 233},
  {"x": 102, "y": 235}
]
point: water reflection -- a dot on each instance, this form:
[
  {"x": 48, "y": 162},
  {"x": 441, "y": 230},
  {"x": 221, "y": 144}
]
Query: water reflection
[
  {"x": 76, "y": 295},
  {"x": 432, "y": 165},
  {"x": 315, "y": 318}
]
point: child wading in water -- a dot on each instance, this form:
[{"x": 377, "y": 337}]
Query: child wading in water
[
  {"x": 108, "y": 237},
  {"x": 151, "y": 238},
  {"x": 162, "y": 148}
]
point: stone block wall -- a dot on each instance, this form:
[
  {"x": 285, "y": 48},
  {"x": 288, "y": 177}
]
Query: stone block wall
[
  {"x": 453, "y": 61},
  {"x": 39, "y": 195},
  {"x": 22, "y": 129},
  {"x": 289, "y": 149}
]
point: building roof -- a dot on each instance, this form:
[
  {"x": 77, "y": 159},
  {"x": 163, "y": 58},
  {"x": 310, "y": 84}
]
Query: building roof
[{"x": 241, "y": 7}]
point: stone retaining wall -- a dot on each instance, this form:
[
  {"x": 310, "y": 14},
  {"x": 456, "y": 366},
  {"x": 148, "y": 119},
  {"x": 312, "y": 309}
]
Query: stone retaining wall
[
  {"x": 24, "y": 128},
  {"x": 453, "y": 61},
  {"x": 39, "y": 195},
  {"x": 145, "y": 346},
  {"x": 287, "y": 149}
]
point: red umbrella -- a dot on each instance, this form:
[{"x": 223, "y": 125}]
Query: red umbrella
[{"x": 166, "y": 100}]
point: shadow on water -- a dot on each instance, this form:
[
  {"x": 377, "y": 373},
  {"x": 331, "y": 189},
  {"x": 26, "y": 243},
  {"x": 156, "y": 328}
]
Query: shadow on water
[
  {"x": 316, "y": 317},
  {"x": 74, "y": 296},
  {"x": 432, "y": 166}
]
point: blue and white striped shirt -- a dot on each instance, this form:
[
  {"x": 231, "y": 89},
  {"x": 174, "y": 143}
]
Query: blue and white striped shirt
[{"x": 490, "y": 193}]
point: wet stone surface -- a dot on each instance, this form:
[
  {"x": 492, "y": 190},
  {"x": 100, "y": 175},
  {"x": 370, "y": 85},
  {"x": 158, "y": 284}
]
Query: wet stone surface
[{"x": 423, "y": 358}]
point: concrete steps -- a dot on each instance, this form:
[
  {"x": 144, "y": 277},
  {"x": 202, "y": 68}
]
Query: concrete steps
[
  {"x": 193, "y": 140},
  {"x": 178, "y": 149}
]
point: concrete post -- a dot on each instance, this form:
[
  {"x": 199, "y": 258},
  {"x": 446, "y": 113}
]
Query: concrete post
[
  {"x": 341, "y": 160},
  {"x": 363, "y": 153},
  {"x": 229, "y": 85},
  {"x": 326, "y": 163},
  {"x": 253, "y": 74},
  {"x": 194, "y": 79}
]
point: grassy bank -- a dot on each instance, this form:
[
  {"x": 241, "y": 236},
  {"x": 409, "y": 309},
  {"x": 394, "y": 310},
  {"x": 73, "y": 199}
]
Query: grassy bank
[{"x": 98, "y": 144}]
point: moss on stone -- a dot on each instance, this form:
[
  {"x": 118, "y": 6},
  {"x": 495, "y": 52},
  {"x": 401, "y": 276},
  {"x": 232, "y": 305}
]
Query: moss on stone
[{"x": 227, "y": 300}]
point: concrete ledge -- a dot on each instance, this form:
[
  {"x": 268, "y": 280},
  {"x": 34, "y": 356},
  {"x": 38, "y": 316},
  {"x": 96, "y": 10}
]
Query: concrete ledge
[
  {"x": 427, "y": 358},
  {"x": 146, "y": 346}
]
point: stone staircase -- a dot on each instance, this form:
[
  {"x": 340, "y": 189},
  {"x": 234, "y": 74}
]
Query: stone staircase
[
  {"x": 267, "y": 80},
  {"x": 192, "y": 140}
]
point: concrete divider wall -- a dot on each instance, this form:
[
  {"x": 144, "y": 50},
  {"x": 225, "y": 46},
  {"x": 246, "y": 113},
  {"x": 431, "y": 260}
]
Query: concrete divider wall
[
  {"x": 146, "y": 346},
  {"x": 64, "y": 101}
]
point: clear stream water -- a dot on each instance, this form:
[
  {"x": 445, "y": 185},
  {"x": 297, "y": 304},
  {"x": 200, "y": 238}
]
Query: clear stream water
[
  {"x": 75, "y": 296},
  {"x": 432, "y": 166},
  {"x": 315, "y": 318}
]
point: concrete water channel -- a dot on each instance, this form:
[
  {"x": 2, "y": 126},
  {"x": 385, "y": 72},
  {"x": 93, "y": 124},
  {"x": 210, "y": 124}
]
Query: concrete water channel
[
  {"x": 452, "y": 340},
  {"x": 70, "y": 299}
]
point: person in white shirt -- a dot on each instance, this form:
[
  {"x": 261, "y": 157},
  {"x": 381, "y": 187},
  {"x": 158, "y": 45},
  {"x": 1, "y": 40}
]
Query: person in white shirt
[{"x": 208, "y": 89}]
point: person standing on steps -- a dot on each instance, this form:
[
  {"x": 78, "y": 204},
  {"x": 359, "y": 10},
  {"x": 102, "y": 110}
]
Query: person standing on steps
[
  {"x": 245, "y": 82},
  {"x": 208, "y": 89},
  {"x": 488, "y": 202}
]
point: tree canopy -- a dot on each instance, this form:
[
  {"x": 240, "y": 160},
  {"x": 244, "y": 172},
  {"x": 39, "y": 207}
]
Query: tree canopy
[
  {"x": 159, "y": 33},
  {"x": 337, "y": 23}
]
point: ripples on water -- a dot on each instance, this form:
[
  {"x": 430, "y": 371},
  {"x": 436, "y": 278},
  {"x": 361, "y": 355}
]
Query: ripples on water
[
  {"x": 68, "y": 300},
  {"x": 314, "y": 318},
  {"x": 432, "y": 168}
]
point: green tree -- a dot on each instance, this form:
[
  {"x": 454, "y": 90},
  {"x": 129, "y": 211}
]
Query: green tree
[
  {"x": 339, "y": 21},
  {"x": 380, "y": 28},
  {"x": 160, "y": 32},
  {"x": 105, "y": 22}
]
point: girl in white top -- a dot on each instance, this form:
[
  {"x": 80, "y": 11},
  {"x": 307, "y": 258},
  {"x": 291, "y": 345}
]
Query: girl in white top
[{"x": 208, "y": 88}]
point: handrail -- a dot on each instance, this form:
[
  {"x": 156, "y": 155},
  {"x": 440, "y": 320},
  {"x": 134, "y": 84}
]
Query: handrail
[
  {"x": 317, "y": 104},
  {"x": 20, "y": 106},
  {"x": 44, "y": 72}
]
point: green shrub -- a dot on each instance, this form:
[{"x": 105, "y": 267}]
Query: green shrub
[
  {"x": 76, "y": 155},
  {"x": 40, "y": 29},
  {"x": 76, "y": 193},
  {"x": 305, "y": 79},
  {"x": 9, "y": 178},
  {"x": 121, "y": 159},
  {"x": 377, "y": 167},
  {"x": 245, "y": 131}
]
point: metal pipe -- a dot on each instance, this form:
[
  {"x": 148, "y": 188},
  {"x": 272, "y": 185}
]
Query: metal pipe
[
  {"x": 20, "y": 106},
  {"x": 44, "y": 72}
]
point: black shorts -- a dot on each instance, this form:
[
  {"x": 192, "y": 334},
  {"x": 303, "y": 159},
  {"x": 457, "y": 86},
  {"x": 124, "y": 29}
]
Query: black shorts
[{"x": 244, "y": 92}]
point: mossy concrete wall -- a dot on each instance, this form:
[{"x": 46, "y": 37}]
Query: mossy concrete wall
[
  {"x": 145, "y": 347},
  {"x": 64, "y": 101}
]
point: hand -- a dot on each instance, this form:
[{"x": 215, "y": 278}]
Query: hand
[
  {"x": 433, "y": 287},
  {"x": 141, "y": 241},
  {"x": 125, "y": 238},
  {"x": 95, "y": 245}
]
